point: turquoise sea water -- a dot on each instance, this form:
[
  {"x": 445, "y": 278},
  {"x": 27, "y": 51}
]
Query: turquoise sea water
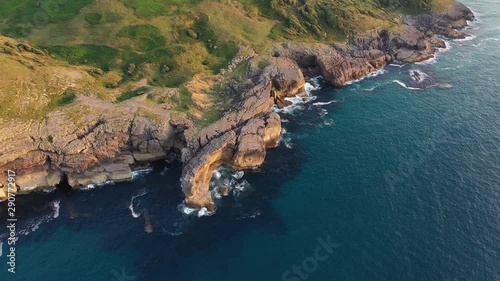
[{"x": 399, "y": 184}]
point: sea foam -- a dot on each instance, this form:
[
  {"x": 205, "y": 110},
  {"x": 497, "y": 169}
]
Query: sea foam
[
  {"x": 405, "y": 86},
  {"x": 369, "y": 75},
  {"x": 131, "y": 206},
  {"x": 324, "y": 103}
]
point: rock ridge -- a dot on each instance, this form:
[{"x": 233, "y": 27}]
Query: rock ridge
[
  {"x": 104, "y": 141},
  {"x": 240, "y": 138}
]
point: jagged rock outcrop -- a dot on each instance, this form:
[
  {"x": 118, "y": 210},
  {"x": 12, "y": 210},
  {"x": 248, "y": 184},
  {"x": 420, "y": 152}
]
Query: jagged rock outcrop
[
  {"x": 240, "y": 138},
  {"x": 241, "y": 148},
  {"x": 100, "y": 143},
  {"x": 103, "y": 141},
  {"x": 414, "y": 42}
]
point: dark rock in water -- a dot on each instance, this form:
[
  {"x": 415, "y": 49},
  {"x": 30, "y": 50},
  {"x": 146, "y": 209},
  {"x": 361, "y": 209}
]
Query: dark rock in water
[
  {"x": 313, "y": 83},
  {"x": 417, "y": 76},
  {"x": 224, "y": 190}
]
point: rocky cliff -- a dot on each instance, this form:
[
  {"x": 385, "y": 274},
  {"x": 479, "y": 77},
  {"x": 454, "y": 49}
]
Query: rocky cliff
[
  {"x": 104, "y": 141},
  {"x": 238, "y": 140}
]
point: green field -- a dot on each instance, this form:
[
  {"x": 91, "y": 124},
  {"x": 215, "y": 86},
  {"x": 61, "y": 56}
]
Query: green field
[{"x": 168, "y": 42}]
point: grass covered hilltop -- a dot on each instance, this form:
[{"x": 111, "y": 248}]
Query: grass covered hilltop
[{"x": 118, "y": 49}]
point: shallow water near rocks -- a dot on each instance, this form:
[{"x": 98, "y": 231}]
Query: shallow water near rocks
[{"x": 402, "y": 178}]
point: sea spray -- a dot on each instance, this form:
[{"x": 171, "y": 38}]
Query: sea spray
[
  {"x": 131, "y": 205},
  {"x": 373, "y": 74},
  {"x": 56, "y": 206},
  {"x": 405, "y": 86},
  {"x": 98, "y": 185},
  {"x": 324, "y": 103},
  {"x": 139, "y": 173},
  {"x": 34, "y": 224}
]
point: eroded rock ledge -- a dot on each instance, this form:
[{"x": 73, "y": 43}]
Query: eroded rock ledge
[
  {"x": 238, "y": 140},
  {"x": 105, "y": 141}
]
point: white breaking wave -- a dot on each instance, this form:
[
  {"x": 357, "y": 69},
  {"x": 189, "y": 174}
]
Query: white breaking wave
[
  {"x": 131, "y": 206},
  {"x": 238, "y": 175},
  {"x": 216, "y": 174},
  {"x": 56, "y": 206},
  {"x": 406, "y": 87},
  {"x": 447, "y": 48},
  {"x": 428, "y": 61},
  {"x": 93, "y": 186},
  {"x": 49, "y": 190},
  {"x": 35, "y": 223},
  {"x": 297, "y": 102},
  {"x": 203, "y": 212},
  {"x": 369, "y": 75},
  {"x": 324, "y": 103},
  {"x": 433, "y": 59},
  {"x": 468, "y": 38},
  {"x": 421, "y": 76},
  {"x": 308, "y": 87},
  {"x": 138, "y": 173},
  {"x": 186, "y": 210},
  {"x": 285, "y": 139},
  {"x": 1, "y": 248},
  {"x": 241, "y": 187}
]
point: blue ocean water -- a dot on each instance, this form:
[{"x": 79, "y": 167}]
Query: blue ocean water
[{"x": 373, "y": 181}]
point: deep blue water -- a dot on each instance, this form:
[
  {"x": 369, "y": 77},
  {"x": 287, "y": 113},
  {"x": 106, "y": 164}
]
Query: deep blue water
[{"x": 404, "y": 184}]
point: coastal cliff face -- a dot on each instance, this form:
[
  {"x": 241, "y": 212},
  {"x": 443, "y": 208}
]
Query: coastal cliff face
[
  {"x": 233, "y": 142},
  {"x": 240, "y": 138},
  {"x": 105, "y": 141},
  {"x": 44, "y": 152}
]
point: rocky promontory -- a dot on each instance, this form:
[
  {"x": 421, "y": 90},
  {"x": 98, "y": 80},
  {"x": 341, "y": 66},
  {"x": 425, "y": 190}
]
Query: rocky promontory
[
  {"x": 233, "y": 139},
  {"x": 104, "y": 141}
]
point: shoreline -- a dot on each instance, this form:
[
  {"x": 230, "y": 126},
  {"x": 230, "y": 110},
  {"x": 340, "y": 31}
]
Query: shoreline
[{"x": 240, "y": 138}]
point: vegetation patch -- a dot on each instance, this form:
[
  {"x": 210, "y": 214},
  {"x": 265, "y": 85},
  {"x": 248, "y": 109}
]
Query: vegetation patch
[
  {"x": 263, "y": 64},
  {"x": 147, "y": 8},
  {"x": 185, "y": 100},
  {"x": 97, "y": 55},
  {"x": 145, "y": 37},
  {"x": 224, "y": 51},
  {"x": 132, "y": 94},
  {"x": 240, "y": 70},
  {"x": 16, "y": 31},
  {"x": 210, "y": 116},
  {"x": 38, "y": 13},
  {"x": 64, "y": 99},
  {"x": 96, "y": 18}
]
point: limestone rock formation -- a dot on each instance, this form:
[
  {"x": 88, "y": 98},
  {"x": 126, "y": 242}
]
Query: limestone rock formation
[
  {"x": 101, "y": 144},
  {"x": 414, "y": 42},
  {"x": 102, "y": 141},
  {"x": 240, "y": 138}
]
